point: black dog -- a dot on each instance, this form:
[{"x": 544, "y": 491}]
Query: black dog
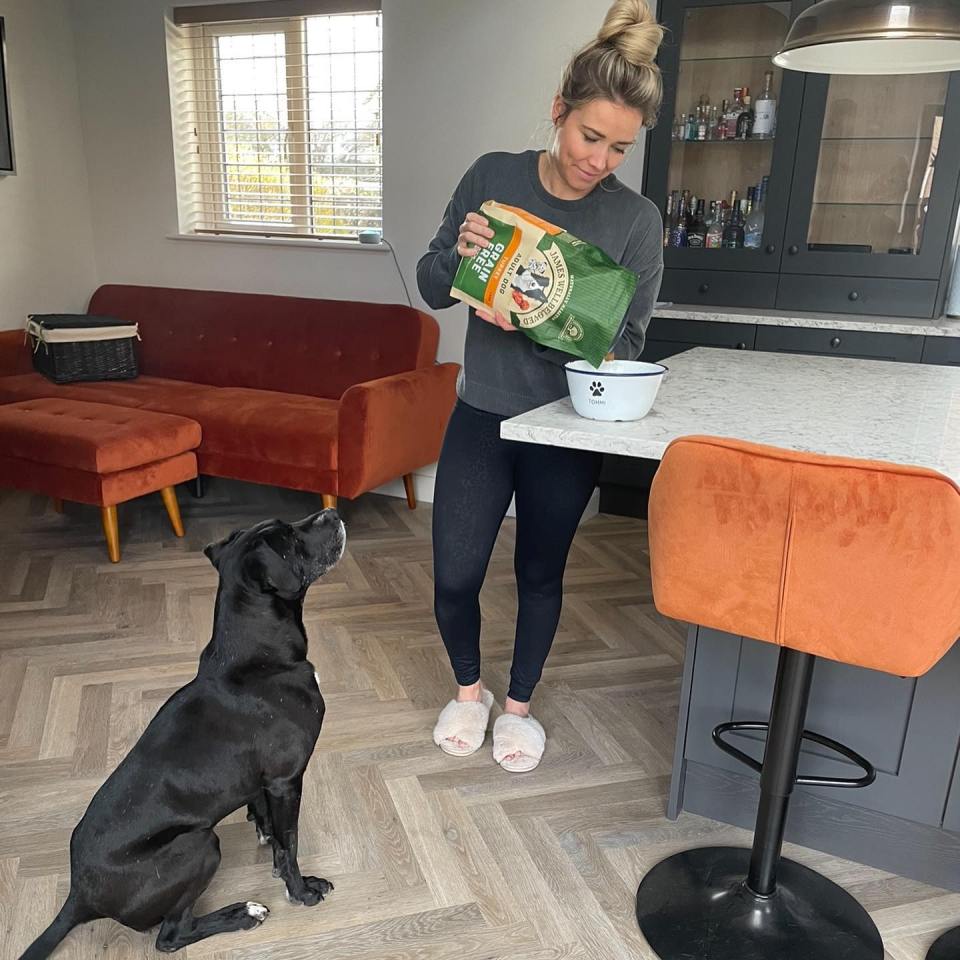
[{"x": 242, "y": 732}]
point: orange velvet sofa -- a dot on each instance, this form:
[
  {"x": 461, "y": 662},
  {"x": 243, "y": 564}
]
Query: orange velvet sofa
[{"x": 331, "y": 396}]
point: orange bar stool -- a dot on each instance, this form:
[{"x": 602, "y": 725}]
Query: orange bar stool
[{"x": 853, "y": 560}]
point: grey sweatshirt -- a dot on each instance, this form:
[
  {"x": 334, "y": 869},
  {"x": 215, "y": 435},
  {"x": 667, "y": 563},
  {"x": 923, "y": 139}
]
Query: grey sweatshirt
[{"x": 506, "y": 372}]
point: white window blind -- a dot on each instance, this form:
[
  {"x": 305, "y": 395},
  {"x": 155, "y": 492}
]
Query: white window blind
[{"x": 278, "y": 121}]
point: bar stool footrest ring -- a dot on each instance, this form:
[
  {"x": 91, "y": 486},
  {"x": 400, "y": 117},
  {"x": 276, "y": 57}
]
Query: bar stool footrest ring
[{"x": 869, "y": 773}]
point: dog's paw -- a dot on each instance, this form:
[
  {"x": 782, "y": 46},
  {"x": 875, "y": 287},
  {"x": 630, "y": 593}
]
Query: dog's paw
[
  {"x": 263, "y": 838},
  {"x": 258, "y": 911},
  {"x": 314, "y": 890}
]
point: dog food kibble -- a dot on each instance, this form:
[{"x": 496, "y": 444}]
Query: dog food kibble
[{"x": 560, "y": 291}]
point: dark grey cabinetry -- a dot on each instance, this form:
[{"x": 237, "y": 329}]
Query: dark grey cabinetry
[
  {"x": 863, "y": 184},
  {"x": 912, "y": 742},
  {"x": 942, "y": 350},
  {"x": 841, "y": 343}
]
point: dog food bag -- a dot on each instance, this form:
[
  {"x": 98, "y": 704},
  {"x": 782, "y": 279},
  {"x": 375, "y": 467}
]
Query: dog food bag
[{"x": 560, "y": 291}]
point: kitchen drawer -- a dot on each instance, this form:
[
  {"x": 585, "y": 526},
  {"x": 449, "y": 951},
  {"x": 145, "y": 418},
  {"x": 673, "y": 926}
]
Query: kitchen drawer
[
  {"x": 858, "y": 295},
  {"x": 943, "y": 350},
  {"x": 719, "y": 288},
  {"x": 841, "y": 343},
  {"x": 703, "y": 333}
]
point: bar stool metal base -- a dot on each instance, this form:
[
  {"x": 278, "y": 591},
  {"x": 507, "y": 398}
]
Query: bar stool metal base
[
  {"x": 697, "y": 904},
  {"x": 947, "y": 947}
]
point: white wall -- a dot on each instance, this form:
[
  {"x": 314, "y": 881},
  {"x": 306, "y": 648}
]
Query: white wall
[
  {"x": 437, "y": 120},
  {"x": 46, "y": 241}
]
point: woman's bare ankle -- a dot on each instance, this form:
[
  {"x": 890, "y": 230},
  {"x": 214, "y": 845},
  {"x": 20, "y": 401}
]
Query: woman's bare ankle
[
  {"x": 520, "y": 708},
  {"x": 470, "y": 693}
]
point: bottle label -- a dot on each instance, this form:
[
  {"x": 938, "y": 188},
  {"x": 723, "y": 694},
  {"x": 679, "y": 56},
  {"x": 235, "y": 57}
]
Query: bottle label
[
  {"x": 765, "y": 115},
  {"x": 714, "y": 241},
  {"x": 752, "y": 241},
  {"x": 695, "y": 240}
]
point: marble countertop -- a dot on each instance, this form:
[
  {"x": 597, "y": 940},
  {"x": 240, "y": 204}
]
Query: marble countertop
[
  {"x": 907, "y": 413},
  {"x": 944, "y": 327}
]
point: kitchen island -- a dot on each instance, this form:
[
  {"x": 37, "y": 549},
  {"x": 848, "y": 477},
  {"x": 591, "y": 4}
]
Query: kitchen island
[{"x": 908, "y": 821}]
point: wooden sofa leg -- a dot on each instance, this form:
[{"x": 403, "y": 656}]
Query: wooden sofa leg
[
  {"x": 58, "y": 505},
  {"x": 173, "y": 509},
  {"x": 408, "y": 486},
  {"x": 112, "y": 532},
  {"x": 329, "y": 501}
]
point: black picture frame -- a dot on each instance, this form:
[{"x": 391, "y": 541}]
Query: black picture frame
[{"x": 7, "y": 163}]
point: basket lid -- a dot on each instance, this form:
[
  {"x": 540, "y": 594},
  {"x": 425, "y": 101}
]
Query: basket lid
[{"x": 73, "y": 321}]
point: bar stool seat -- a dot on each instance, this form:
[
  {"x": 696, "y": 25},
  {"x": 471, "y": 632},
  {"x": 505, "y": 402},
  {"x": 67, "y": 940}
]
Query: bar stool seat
[
  {"x": 856, "y": 561},
  {"x": 947, "y": 947}
]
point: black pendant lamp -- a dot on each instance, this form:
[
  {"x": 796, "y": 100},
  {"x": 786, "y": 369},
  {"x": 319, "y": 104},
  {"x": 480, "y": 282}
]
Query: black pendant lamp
[{"x": 874, "y": 37}]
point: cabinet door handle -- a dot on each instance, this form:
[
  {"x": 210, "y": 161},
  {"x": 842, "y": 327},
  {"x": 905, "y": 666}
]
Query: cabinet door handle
[
  {"x": 794, "y": 249},
  {"x": 771, "y": 248},
  {"x": 854, "y": 295},
  {"x": 704, "y": 287},
  {"x": 835, "y": 342},
  {"x": 741, "y": 346}
]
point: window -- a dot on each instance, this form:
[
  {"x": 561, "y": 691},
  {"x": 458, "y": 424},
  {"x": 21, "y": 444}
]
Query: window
[{"x": 278, "y": 121}]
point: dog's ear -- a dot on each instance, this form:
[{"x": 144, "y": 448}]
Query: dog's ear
[
  {"x": 213, "y": 551},
  {"x": 272, "y": 572}
]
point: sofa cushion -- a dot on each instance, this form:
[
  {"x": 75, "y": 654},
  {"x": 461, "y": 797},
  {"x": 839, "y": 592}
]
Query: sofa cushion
[
  {"x": 96, "y": 437},
  {"x": 263, "y": 425},
  {"x": 290, "y": 344},
  {"x": 141, "y": 392},
  {"x": 255, "y": 424}
]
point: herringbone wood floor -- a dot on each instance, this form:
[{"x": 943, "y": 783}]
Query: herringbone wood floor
[{"x": 433, "y": 858}]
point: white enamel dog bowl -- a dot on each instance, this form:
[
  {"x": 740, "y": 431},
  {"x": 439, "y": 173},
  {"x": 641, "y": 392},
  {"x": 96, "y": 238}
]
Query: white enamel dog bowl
[{"x": 618, "y": 390}]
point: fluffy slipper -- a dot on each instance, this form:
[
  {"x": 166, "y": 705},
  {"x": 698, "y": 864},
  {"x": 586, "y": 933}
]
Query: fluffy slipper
[
  {"x": 466, "y": 722},
  {"x": 523, "y": 735}
]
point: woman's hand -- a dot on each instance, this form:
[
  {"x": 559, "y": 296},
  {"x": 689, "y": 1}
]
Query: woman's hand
[
  {"x": 497, "y": 319},
  {"x": 474, "y": 234}
]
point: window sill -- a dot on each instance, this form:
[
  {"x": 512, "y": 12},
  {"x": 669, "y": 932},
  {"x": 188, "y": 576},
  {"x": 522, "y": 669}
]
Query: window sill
[{"x": 283, "y": 242}]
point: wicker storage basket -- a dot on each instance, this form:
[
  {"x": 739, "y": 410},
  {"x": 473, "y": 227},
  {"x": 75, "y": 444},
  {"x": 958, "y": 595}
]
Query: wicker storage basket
[{"x": 72, "y": 347}]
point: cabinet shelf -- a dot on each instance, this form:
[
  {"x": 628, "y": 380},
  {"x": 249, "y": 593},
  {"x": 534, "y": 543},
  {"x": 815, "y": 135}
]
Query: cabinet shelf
[
  {"x": 728, "y": 142},
  {"x": 764, "y": 56},
  {"x": 876, "y": 139}
]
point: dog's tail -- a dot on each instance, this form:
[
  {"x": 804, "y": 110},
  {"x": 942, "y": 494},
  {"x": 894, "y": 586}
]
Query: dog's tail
[{"x": 71, "y": 915}]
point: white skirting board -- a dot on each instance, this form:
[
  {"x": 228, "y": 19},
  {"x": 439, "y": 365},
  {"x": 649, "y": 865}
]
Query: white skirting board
[{"x": 423, "y": 482}]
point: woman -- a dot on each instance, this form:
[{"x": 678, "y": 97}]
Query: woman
[{"x": 608, "y": 93}]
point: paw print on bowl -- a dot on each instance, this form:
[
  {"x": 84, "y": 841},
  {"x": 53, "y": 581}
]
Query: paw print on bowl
[{"x": 596, "y": 388}]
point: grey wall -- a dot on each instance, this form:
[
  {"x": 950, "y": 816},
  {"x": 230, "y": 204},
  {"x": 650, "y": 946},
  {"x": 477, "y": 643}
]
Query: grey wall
[{"x": 46, "y": 239}]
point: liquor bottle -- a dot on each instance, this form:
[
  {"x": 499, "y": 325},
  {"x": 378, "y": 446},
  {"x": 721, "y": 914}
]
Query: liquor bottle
[
  {"x": 667, "y": 220},
  {"x": 753, "y": 228},
  {"x": 686, "y": 214},
  {"x": 703, "y": 116},
  {"x": 733, "y": 114},
  {"x": 745, "y": 120},
  {"x": 697, "y": 235},
  {"x": 733, "y": 231},
  {"x": 721, "y": 129},
  {"x": 714, "y": 240},
  {"x": 712, "y": 124},
  {"x": 765, "y": 110},
  {"x": 678, "y": 223},
  {"x": 691, "y": 126}
]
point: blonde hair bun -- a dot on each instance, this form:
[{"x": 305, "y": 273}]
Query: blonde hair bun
[{"x": 631, "y": 27}]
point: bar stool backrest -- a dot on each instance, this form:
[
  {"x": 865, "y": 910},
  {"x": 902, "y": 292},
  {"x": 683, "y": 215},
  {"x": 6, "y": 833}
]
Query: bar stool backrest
[{"x": 854, "y": 560}]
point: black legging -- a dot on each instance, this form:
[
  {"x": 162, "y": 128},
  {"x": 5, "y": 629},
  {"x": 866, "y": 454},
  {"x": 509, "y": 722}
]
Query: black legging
[{"x": 476, "y": 477}]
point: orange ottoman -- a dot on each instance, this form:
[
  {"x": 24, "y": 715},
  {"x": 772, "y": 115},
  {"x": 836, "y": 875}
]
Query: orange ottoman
[{"x": 98, "y": 454}]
